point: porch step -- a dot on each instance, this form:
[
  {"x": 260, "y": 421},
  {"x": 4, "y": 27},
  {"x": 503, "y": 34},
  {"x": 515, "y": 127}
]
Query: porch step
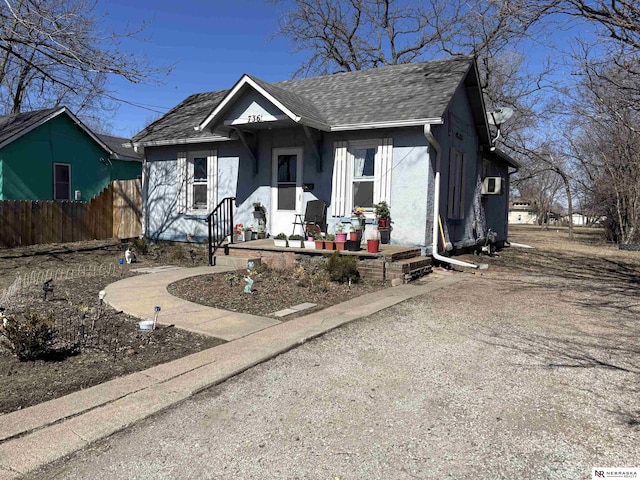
[
  {"x": 403, "y": 254},
  {"x": 235, "y": 262},
  {"x": 409, "y": 268}
]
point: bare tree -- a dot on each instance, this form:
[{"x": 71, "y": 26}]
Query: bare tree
[{"x": 55, "y": 52}]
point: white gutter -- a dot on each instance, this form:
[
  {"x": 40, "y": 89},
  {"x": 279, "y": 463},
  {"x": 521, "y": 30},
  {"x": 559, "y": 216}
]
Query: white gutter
[{"x": 436, "y": 204}]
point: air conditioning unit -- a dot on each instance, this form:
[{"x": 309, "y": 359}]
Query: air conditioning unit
[{"x": 492, "y": 186}]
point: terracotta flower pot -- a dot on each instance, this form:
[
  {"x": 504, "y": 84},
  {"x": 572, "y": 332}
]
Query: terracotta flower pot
[
  {"x": 319, "y": 244},
  {"x": 340, "y": 245}
]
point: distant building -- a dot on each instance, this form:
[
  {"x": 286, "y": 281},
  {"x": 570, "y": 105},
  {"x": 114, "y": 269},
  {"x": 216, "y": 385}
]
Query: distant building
[{"x": 523, "y": 212}]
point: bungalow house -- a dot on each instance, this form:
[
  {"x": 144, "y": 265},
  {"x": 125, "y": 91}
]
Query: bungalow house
[
  {"x": 396, "y": 134},
  {"x": 51, "y": 155}
]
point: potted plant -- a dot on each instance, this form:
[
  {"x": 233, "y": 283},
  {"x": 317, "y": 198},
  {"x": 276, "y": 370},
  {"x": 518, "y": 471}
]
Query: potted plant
[
  {"x": 329, "y": 241},
  {"x": 340, "y": 245},
  {"x": 358, "y": 216},
  {"x": 353, "y": 233},
  {"x": 319, "y": 241},
  {"x": 295, "y": 241},
  {"x": 238, "y": 232},
  {"x": 247, "y": 232},
  {"x": 280, "y": 240},
  {"x": 258, "y": 211},
  {"x": 373, "y": 244},
  {"x": 383, "y": 214},
  {"x": 341, "y": 236},
  {"x": 261, "y": 233},
  {"x": 310, "y": 244}
]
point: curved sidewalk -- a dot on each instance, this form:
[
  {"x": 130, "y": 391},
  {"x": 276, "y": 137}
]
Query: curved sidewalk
[
  {"x": 38, "y": 435},
  {"x": 139, "y": 295}
]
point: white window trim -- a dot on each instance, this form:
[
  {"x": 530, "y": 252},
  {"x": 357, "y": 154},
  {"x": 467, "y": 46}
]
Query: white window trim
[
  {"x": 185, "y": 181},
  {"x": 343, "y": 178},
  {"x": 55, "y": 190}
]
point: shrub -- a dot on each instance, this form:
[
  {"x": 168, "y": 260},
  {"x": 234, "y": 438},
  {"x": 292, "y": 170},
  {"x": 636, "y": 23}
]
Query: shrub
[
  {"x": 342, "y": 268},
  {"x": 29, "y": 337},
  {"x": 141, "y": 245}
]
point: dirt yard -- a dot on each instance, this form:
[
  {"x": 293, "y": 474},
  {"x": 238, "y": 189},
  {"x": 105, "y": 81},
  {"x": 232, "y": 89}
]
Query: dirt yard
[
  {"x": 527, "y": 370},
  {"x": 93, "y": 343}
]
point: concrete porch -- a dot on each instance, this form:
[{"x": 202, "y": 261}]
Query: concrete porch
[{"x": 391, "y": 262}]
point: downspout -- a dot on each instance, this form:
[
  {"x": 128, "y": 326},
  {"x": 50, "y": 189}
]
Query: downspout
[{"x": 436, "y": 204}]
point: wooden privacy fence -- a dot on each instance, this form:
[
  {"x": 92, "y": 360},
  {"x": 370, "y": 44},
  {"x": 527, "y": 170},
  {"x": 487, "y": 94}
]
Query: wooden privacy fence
[{"x": 114, "y": 212}]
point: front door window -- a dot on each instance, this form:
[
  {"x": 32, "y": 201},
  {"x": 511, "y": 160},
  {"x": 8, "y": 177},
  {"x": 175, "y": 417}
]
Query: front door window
[{"x": 287, "y": 174}]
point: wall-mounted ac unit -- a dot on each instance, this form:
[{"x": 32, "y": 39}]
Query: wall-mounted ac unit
[{"x": 492, "y": 186}]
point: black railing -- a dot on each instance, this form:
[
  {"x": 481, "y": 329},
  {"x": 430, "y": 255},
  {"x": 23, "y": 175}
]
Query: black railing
[{"x": 220, "y": 223}]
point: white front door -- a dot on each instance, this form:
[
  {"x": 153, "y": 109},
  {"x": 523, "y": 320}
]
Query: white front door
[{"x": 286, "y": 189}]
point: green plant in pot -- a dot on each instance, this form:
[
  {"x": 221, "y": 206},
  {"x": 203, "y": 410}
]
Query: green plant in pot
[
  {"x": 295, "y": 241},
  {"x": 280, "y": 240},
  {"x": 318, "y": 239},
  {"x": 329, "y": 242},
  {"x": 383, "y": 214}
]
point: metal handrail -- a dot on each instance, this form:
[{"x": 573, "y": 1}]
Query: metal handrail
[{"x": 220, "y": 225}]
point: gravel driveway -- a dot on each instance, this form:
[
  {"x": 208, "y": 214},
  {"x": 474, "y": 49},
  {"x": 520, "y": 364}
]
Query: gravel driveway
[{"x": 508, "y": 374}]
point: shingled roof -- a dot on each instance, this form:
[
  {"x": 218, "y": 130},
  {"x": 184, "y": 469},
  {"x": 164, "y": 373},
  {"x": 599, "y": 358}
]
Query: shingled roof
[
  {"x": 15, "y": 125},
  {"x": 396, "y": 94}
]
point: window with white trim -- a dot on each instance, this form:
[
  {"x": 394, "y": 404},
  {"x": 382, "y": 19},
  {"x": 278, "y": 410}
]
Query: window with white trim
[
  {"x": 455, "y": 206},
  {"x": 198, "y": 185},
  {"x": 364, "y": 160},
  {"x": 361, "y": 174},
  {"x": 196, "y": 182},
  {"x": 61, "y": 181}
]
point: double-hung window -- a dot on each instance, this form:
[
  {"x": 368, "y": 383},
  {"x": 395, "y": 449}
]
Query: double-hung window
[
  {"x": 364, "y": 159},
  {"x": 361, "y": 174},
  {"x": 196, "y": 185},
  {"x": 61, "y": 181}
]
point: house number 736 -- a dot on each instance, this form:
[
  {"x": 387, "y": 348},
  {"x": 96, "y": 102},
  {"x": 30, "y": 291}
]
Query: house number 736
[{"x": 255, "y": 118}]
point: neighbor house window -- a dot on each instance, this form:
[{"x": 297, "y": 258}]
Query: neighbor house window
[
  {"x": 455, "y": 208},
  {"x": 364, "y": 159},
  {"x": 61, "y": 181}
]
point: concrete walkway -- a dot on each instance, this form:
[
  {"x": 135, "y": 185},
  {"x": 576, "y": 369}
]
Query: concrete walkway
[
  {"x": 138, "y": 296},
  {"x": 41, "y": 434}
]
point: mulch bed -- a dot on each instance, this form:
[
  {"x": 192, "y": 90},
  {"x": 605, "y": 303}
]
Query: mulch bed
[{"x": 273, "y": 290}]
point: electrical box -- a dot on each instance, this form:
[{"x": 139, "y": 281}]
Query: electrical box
[
  {"x": 77, "y": 195},
  {"x": 492, "y": 186}
]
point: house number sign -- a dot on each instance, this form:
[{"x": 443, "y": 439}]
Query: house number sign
[{"x": 255, "y": 118}]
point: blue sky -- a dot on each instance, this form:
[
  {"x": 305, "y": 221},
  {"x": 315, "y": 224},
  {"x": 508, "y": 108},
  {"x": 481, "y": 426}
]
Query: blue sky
[{"x": 211, "y": 44}]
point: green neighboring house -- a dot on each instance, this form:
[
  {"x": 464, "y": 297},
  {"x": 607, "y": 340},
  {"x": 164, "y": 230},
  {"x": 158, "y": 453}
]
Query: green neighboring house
[{"x": 51, "y": 155}]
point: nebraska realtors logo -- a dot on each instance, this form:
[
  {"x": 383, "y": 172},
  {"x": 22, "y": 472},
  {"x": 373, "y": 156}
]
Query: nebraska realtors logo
[{"x": 615, "y": 472}]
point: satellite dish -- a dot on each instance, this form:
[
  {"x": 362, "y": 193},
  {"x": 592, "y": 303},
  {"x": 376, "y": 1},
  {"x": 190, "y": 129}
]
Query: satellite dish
[{"x": 500, "y": 115}]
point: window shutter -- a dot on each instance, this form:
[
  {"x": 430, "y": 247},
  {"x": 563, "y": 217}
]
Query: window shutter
[
  {"x": 340, "y": 193},
  {"x": 212, "y": 176},
  {"x": 181, "y": 168},
  {"x": 383, "y": 166}
]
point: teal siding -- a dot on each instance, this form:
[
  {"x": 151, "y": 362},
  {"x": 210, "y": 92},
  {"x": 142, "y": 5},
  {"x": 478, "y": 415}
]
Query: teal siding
[{"x": 27, "y": 163}]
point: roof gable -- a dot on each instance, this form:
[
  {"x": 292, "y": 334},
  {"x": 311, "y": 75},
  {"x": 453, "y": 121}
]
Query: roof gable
[
  {"x": 390, "y": 96},
  {"x": 14, "y": 126}
]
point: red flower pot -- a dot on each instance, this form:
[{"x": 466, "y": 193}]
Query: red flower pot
[
  {"x": 353, "y": 236},
  {"x": 373, "y": 246}
]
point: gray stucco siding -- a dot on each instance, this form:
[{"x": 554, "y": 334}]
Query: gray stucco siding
[
  {"x": 459, "y": 133},
  {"x": 236, "y": 177}
]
